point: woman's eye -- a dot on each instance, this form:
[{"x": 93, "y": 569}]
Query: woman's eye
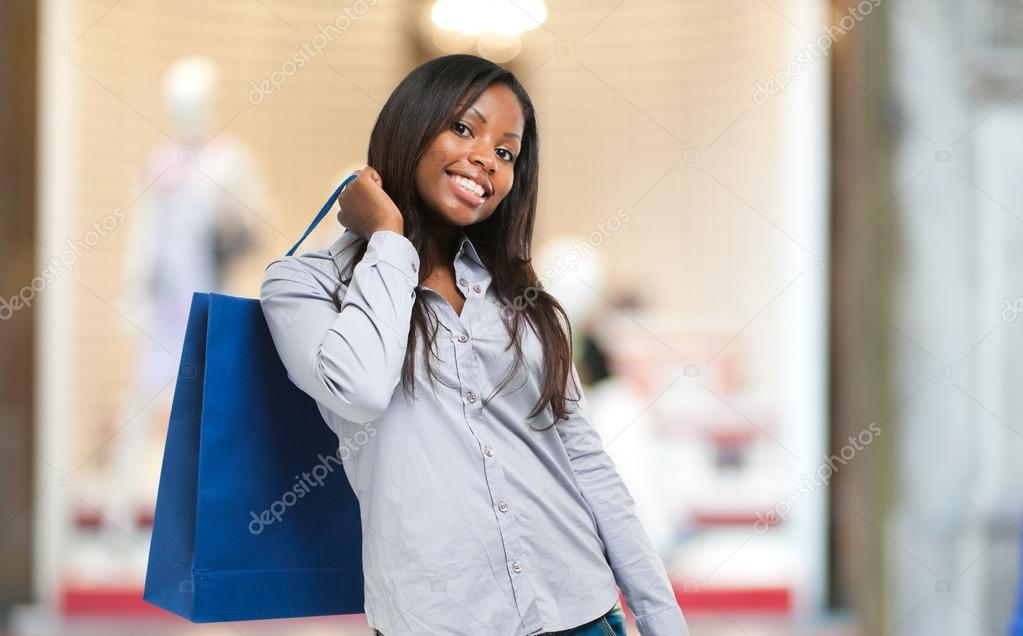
[{"x": 459, "y": 127}]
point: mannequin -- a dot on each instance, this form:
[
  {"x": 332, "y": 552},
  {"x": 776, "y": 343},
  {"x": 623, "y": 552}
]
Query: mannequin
[{"x": 197, "y": 215}]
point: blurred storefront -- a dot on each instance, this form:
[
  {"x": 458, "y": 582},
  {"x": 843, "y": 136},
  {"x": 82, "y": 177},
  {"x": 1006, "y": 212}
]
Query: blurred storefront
[{"x": 790, "y": 228}]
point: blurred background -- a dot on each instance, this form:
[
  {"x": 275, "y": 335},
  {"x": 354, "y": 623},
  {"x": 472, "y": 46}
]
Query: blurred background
[{"x": 786, "y": 231}]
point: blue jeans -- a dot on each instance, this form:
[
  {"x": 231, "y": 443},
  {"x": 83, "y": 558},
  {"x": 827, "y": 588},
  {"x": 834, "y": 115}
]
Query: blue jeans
[{"x": 610, "y": 624}]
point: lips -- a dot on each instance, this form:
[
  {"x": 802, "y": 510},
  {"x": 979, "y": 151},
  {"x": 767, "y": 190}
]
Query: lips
[
  {"x": 462, "y": 193},
  {"x": 480, "y": 181}
]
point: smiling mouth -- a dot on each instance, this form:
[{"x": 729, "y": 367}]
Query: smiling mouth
[{"x": 464, "y": 192}]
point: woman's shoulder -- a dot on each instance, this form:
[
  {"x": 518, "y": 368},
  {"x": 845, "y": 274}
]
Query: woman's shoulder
[{"x": 321, "y": 268}]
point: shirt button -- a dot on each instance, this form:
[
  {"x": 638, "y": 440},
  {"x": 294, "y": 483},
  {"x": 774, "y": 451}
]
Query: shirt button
[
  {"x": 503, "y": 507},
  {"x": 489, "y": 452},
  {"x": 415, "y": 268},
  {"x": 471, "y": 396},
  {"x": 462, "y": 282},
  {"x": 463, "y": 338},
  {"x": 476, "y": 288},
  {"x": 516, "y": 567}
]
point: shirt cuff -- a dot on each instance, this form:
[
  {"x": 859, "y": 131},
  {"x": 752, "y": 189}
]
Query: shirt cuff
[
  {"x": 667, "y": 622},
  {"x": 387, "y": 246}
]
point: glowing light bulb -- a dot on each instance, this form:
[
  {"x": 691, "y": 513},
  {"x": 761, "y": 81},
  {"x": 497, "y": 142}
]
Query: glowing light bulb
[{"x": 509, "y": 18}]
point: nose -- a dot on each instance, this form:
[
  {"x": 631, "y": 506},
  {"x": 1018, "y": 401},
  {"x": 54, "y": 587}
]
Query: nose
[{"x": 480, "y": 159}]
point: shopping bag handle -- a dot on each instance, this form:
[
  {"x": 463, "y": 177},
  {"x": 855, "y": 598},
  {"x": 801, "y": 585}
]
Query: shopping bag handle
[{"x": 323, "y": 212}]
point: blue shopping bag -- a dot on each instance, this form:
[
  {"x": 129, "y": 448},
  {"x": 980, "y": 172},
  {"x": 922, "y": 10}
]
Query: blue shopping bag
[{"x": 255, "y": 518}]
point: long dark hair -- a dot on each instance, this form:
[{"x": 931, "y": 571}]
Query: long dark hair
[{"x": 423, "y": 105}]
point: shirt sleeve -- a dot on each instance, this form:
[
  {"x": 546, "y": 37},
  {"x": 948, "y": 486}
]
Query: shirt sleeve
[
  {"x": 349, "y": 360},
  {"x": 637, "y": 567}
]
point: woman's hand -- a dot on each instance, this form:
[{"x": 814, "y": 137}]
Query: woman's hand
[{"x": 366, "y": 208}]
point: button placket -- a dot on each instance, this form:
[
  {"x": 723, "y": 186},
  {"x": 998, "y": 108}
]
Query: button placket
[
  {"x": 470, "y": 373},
  {"x": 524, "y": 594}
]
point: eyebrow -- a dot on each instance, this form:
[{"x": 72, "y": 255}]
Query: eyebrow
[{"x": 484, "y": 120}]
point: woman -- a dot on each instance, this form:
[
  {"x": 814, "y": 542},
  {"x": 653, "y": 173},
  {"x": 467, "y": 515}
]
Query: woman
[{"x": 488, "y": 504}]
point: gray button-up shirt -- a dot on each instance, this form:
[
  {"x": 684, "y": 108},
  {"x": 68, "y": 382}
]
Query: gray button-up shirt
[{"x": 472, "y": 522}]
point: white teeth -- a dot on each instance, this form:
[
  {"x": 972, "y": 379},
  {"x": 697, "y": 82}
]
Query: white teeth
[{"x": 470, "y": 185}]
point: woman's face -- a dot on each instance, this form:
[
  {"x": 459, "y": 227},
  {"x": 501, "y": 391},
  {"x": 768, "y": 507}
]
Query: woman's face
[{"x": 470, "y": 166}]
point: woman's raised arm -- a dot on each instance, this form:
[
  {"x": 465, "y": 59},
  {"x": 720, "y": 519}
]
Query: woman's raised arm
[{"x": 349, "y": 361}]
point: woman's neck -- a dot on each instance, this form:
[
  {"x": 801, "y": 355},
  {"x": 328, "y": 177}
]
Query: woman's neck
[{"x": 443, "y": 242}]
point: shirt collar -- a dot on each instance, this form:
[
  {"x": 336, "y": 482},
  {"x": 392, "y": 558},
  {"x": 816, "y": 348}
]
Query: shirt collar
[{"x": 465, "y": 246}]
